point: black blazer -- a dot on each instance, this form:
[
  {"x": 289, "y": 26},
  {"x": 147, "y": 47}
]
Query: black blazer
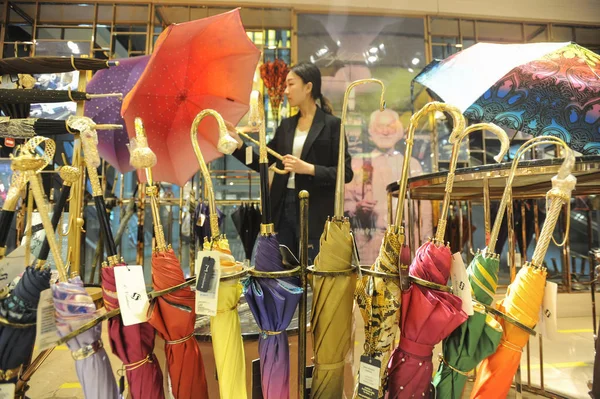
[{"x": 320, "y": 149}]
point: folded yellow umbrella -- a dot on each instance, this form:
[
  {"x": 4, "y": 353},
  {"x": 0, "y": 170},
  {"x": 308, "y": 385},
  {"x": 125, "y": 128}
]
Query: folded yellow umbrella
[
  {"x": 333, "y": 294},
  {"x": 225, "y": 329}
]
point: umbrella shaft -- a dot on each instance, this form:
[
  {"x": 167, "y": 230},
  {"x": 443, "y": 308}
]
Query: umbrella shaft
[
  {"x": 264, "y": 193},
  {"x": 58, "y": 209},
  {"x": 6, "y": 218},
  {"x": 111, "y": 248}
]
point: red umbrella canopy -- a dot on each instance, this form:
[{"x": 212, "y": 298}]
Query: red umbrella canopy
[{"x": 203, "y": 64}]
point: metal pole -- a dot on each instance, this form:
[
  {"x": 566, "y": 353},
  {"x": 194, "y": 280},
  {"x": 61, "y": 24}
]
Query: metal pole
[{"x": 302, "y": 312}]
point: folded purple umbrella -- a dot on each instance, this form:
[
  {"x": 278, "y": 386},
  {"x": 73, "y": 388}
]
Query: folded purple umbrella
[
  {"x": 74, "y": 307},
  {"x": 273, "y": 302},
  {"x": 112, "y": 144}
]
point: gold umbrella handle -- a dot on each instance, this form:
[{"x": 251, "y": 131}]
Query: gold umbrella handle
[
  {"x": 30, "y": 163},
  {"x": 562, "y": 186},
  {"x": 432, "y": 107},
  {"x": 340, "y": 180},
  {"x": 214, "y": 220},
  {"x": 142, "y": 157},
  {"x": 456, "y": 139},
  {"x": 524, "y": 149}
]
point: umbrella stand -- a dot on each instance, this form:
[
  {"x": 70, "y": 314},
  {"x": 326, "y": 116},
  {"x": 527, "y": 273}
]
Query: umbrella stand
[
  {"x": 528, "y": 283},
  {"x": 225, "y": 327}
]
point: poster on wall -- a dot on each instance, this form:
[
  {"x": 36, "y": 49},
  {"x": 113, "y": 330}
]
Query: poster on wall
[{"x": 348, "y": 48}]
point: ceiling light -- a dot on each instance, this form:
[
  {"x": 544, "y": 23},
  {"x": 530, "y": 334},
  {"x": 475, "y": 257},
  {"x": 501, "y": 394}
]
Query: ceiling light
[
  {"x": 411, "y": 70},
  {"x": 381, "y": 46},
  {"x": 373, "y": 50},
  {"x": 459, "y": 45},
  {"x": 415, "y": 61},
  {"x": 372, "y": 58},
  {"x": 339, "y": 43}
]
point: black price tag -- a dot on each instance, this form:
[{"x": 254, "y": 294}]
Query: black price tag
[{"x": 369, "y": 378}]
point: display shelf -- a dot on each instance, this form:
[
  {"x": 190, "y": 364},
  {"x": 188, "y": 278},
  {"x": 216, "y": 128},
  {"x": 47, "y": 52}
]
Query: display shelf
[{"x": 532, "y": 180}]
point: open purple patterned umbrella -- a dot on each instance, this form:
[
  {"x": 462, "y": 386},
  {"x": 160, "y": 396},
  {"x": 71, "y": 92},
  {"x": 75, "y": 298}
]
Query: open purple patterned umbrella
[
  {"x": 74, "y": 307},
  {"x": 112, "y": 145}
]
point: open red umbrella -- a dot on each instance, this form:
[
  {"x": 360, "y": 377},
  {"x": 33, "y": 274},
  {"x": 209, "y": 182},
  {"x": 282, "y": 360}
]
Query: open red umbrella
[
  {"x": 172, "y": 315},
  {"x": 430, "y": 315},
  {"x": 203, "y": 64}
]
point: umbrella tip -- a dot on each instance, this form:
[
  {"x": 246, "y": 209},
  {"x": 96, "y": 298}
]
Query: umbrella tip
[{"x": 303, "y": 194}]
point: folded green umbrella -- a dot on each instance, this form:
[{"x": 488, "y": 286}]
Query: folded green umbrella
[{"x": 475, "y": 339}]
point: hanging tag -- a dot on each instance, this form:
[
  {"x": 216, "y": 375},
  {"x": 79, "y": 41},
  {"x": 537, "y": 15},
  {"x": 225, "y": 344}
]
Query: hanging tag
[
  {"x": 7, "y": 391},
  {"x": 548, "y": 326},
  {"x": 207, "y": 282},
  {"x": 45, "y": 328},
  {"x": 249, "y": 155},
  {"x": 368, "y": 378},
  {"x": 132, "y": 295},
  {"x": 460, "y": 283},
  {"x": 202, "y": 219},
  {"x": 11, "y": 266},
  {"x": 518, "y": 260}
]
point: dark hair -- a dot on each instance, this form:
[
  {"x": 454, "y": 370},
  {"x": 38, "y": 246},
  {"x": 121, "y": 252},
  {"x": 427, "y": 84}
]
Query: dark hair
[{"x": 310, "y": 73}]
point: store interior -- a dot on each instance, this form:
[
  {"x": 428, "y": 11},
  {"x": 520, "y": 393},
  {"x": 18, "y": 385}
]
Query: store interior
[{"x": 444, "y": 106}]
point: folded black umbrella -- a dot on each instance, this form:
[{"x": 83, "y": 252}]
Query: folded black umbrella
[
  {"x": 31, "y": 65},
  {"x": 18, "y": 313},
  {"x": 247, "y": 223}
]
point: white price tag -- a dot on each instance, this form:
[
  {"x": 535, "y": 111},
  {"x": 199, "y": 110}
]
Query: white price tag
[
  {"x": 7, "y": 391},
  {"x": 249, "y": 153},
  {"x": 208, "y": 273},
  {"x": 11, "y": 266},
  {"x": 548, "y": 326},
  {"x": 369, "y": 378},
  {"x": 460, "y": 283},
  {"x": 45, "y": 328},
  {"x": 202, "y": 219},
  {"x": 132, "y": 295}
]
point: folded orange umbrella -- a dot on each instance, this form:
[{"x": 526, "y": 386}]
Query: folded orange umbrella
[{"x": 526, "y": 293}]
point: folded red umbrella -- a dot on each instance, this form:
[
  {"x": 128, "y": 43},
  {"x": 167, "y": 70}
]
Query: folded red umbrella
[
  {"x": 173, "y": 317},
  {"x": 428, "y": 316},
  {"x": 133, "y": 345}
]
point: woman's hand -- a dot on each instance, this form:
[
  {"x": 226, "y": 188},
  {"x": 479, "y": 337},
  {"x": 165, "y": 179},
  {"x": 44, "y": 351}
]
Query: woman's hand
[
  {"x": 298, "y": 166},
  {"x": 231, "y": 130}
]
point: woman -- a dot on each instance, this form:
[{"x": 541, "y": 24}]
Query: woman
[{"x": 310, "y": 142}]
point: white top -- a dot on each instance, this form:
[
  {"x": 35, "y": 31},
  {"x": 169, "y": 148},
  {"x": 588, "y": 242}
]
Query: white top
[{"x": 299, "y": 139}]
